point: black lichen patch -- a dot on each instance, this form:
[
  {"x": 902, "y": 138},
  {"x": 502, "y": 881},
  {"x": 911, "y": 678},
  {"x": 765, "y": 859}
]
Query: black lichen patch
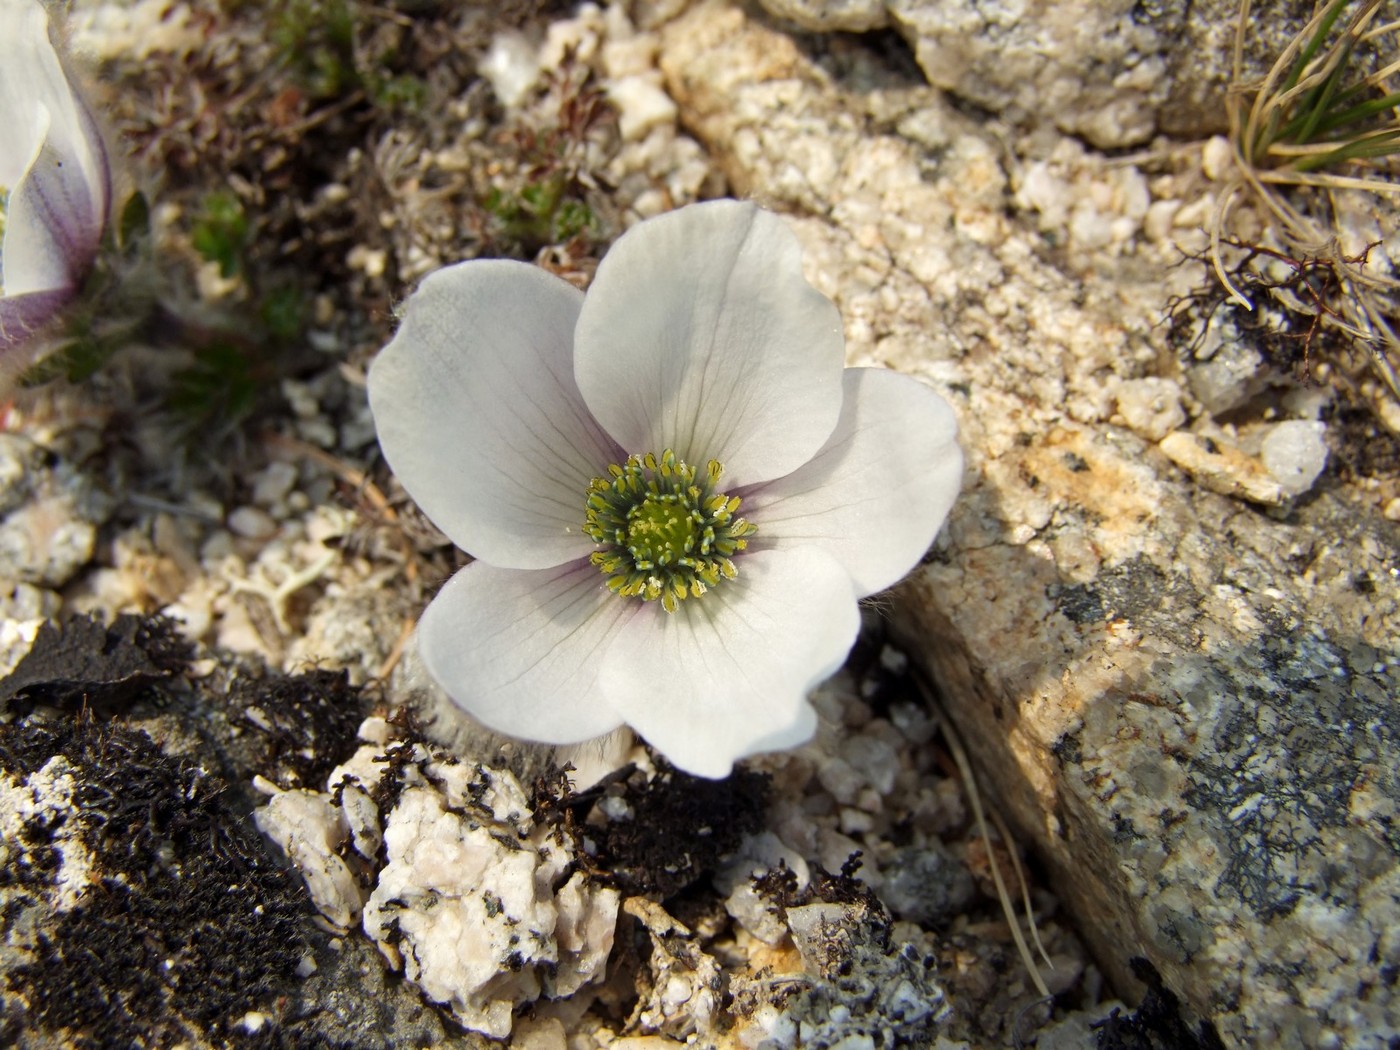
[
  {"x": 1156, "y": 1024},
  {"x": 1135, "y": 590},
  {"x": 186, "y": 924},
  {"x": 83, "y": 663},
  {"x": 679, "y": 829},
  {"x": 1080, "y": 603},
  {"x": 1313, "y": 724},
  {"x": 307, "y": 722}
]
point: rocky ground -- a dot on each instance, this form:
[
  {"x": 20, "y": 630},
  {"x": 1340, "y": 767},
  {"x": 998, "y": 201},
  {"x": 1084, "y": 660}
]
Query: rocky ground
[{"x": 1161, "y": 620}]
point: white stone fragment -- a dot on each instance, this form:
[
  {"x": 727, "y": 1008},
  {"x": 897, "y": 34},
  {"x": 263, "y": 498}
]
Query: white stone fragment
[
  {"x": 768, "y": 1028},
  {"x": 466, "y": 904},
  {"x": 539, "y": 1033},
  {"x": 578, "y": 36},
  {"x": 375, "y": 730},
  {"x": 1295, "y": 454},
  {"x": 310, "y": 831},
  {"x": 16, "y": 639},
  {"x": 851, "y": 16},
  {"x": 584, "y": 932},
  {"x": 873, "y": 759},
  {"x": 685, "y": 998},
  {"x": 273, "y": 482},
  {"x": 1217, "y": 158},
  {"x": 460, "y": 909},
  {"x": 840, "y": 780},
  {"x": 811, "y": 926},
  {"x": 45, "y": 798},
  {"x": 511, "y": 66},
  {"x": 1221, "y": 467},
  {"x": 1150, "y": 407},
  {"x": 758, "y": 854},
  {"x": 106, "y": 32},
  {"x": 364, "y": 767},
  {"x": 251, "y": 523},
  {"x": 362, "y": 816},
  {"x": 642, "y": 104}
]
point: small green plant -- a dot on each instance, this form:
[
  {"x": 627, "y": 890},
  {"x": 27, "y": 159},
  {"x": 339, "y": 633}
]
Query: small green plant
[
  {"x": 220, "y": 233},
  {"x": 1323, "y": 119},
  {"x": 547, "y": 202},
  {"x": 1319, "y": 109},
  {"x": 320, "y": 43},
  {"x": 315, "y": 40},
  {"x": 216, "y": 391},
  {"x": 541, "y": 213},
  {"x": 234, "y": 362}
]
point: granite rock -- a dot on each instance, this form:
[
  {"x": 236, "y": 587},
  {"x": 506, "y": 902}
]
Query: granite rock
[
  {"x": 1184, "y": 702},
  {"x": 852, "y": 16},
  {"x": 1114, "y": 72}
]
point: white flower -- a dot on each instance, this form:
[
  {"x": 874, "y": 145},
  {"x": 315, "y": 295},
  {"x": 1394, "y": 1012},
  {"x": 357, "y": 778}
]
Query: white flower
[
  {"x": 55, "y": 184},
  {"x": 520, "y": 415}
]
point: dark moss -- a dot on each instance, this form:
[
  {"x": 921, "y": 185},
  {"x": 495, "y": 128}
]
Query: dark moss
[
  {"x": 680, "y": 828},
  {"x": 306, "y": 721},
  {"x": 1156, "y": 1024},
  {"x": 85, "y": 664},
  {"x": 187, "y": 924}
]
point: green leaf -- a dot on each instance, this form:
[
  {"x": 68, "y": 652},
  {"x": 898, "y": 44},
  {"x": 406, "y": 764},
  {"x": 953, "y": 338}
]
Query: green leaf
[
  {"x": 220, "y": 233},
  {"x": 284, "y": 314},
  {"x": 134, "y": 224},
  {"x": 217, "y": 390}
]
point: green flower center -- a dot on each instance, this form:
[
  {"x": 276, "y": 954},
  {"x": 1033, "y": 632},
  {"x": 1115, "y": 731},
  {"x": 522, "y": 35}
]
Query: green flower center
[{"x": 663, "y": 534}]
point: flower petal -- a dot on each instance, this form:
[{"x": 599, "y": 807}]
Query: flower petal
[
  {"x": 22, "y": 315},
  {"x": 700, "y": 334},
  {"x": 479, "y": 416},
  {"x": 879, "y": 490},
  {"x": 727, "y": 674},
  {"x": 52, "y": 160},
  {"x": 520, "y": 650}
]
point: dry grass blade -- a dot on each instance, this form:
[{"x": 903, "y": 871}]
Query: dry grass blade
[
  {"x": 1317, "y": 122},
  {"x": 974, "y": 799}
]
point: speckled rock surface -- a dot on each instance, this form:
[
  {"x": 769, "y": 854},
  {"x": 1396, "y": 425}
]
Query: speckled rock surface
[
  {"x": 49, "y": 514},
  {"x": 1113, "y": 72},
  {"x": 1186, "y": 701}
]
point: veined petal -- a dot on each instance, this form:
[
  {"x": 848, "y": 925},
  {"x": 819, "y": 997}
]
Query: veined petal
[
  {"x": 21, "y": 316},
  {"x": 52, "y": 160},
  {"x": 520, "y": 650},
  {"x": 879, "y": 490},
  {"x": 479, "y": 416},
  {"x": 700, "y": 335},
  {"x": 727, "y": 674}
]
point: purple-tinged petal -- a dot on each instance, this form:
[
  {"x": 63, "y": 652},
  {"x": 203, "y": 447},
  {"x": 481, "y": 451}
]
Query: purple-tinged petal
[
  {"x": 879, "y": 490},
  {"x": 701, "y": 335},
  {"x": 51, "y": 234},
  {"x": 52, "y": 161},
  {"x": 520, "y": 650},
  {"x": 727, "y": 674},
  {"x": 479, "y": 416},
  {"x": 21, "y": 316}
]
